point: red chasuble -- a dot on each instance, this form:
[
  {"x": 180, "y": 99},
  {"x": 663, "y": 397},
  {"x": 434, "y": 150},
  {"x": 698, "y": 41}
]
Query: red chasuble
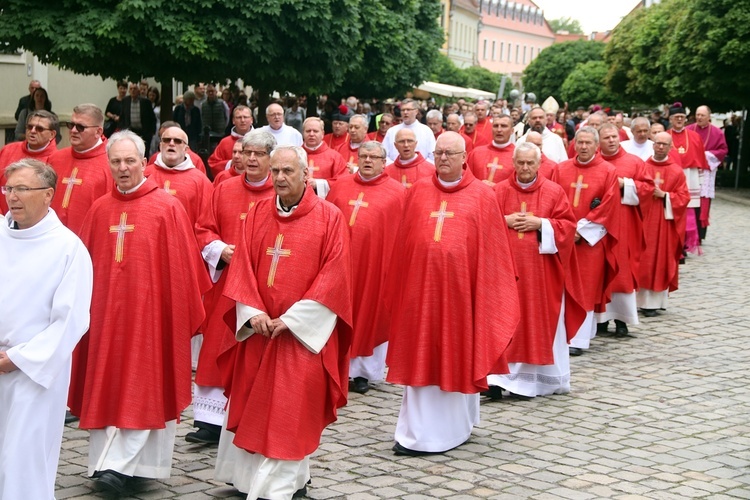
[
  {"x": 334, "y": 142},
  {"x": 283, "y": 395},
  {"x": 410, "y": 173},
  {"x": 325, "y": 163},
  {"x": 584, "y": 183},
  {"x": 375, "y": 136},
  {"x": 197, "y": 160},
  {"x": 372, "y": 210},
  {"x": 132, "y": 368},
  {"x": 453, "y": 288},
  {"x": 11, "y": 153},
  {"x": 225, "y": 175},
  {"x": 664, "y": 238},
  {"x": 482, "y": 133},
  {"x": 190, "y": 186},
  {"x": 631, "y": 241},
  {"x": 542, "y": 278},
  {"x": 217, "y": 162},
  {"x": 689, "y": 146},
  {"x": 491, "y": 163},
  {"x": 230, "y": 203},
  {"x": 546, "y": 167},
  {"x": 469, "y": 142},
  {"x": 82, "y": 178},
  {"x": 350, "y": 156}
]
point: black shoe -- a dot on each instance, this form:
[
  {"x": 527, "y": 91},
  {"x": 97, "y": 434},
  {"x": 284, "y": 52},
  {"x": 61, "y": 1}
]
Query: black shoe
[
  {"x": 70, "y": 418},
  {"x": 682, "y": 260},
  {"x": 621, "y": 329},
  {"x": 575, "y": 351},
  {"x": 360, "y": 385},
  {"x": 520, "y": 397},
  {"x": 495, "y": 393},
  {"x": 401, "y": 451},
  {"x": 112, "y": 482},
  {"x": 602, "y": 327},
  {"x": 649, "y": 313},
  {"x": 300, "y": 493},
  {"x": 206, "y": 434}
]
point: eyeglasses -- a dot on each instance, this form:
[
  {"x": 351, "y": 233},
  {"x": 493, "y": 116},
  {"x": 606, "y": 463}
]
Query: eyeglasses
[
  {"x": 80, "y": 127},
  {"x": 408, "y": 109},
  {"x": 275, "y": 114},
  {"x": 38, "y": 128},
  {"x": 176, "y": 140},
  {"x": 440, "y": 153},
  {"x": 19, "y": 190},
  {"x": 371, "y": 157},
  {"x": 258, "y": 154}
]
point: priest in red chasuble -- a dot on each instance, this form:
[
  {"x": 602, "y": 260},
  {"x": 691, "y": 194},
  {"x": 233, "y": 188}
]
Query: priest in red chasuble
[
  {"x": 287, "y": 372},
  {"x": 220, "y": 160},
  {"x": 133, "y": 375},
  {"x": 664, "y": 227},
  {"x": 83, "y": 173},
  {"x": 542, "y": 232},
  {"x": 636, "y": 194},
  {"x": 592, "y": 189},
  {"x": 236, "y": 166},
  {"x": 452, "y": 288},
  {"x": 371, "y": 202},
  {"x": 230, "y": 203},
  {"x": 547, "y": 166},
  {"x": 324, "y": 164},
  {"x": 493, "y": 163},
  {"x": 410, "y": 166},
  {"x": 349, "y": 151}
]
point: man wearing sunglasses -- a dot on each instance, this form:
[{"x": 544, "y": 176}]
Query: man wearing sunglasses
[
  {"x": 82, "y": 169},
  {"x": 41, "y": 131}
]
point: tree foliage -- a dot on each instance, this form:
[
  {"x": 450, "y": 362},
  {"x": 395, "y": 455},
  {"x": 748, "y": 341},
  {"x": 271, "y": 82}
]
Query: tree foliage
[
  {"x": 545, "y": 75},
  {"x": 694, "y": 51},
  {"x": 312, "y": 46},
  {"x": 585, "y": 85},
  {"x": 445, "y": 71},
  {"x": 566, "y": 24}
]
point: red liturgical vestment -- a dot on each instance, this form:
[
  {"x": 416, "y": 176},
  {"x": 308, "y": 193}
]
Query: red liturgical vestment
[
  {"x": 491, "y": 163},
  {"x": 409, "y": 173}
]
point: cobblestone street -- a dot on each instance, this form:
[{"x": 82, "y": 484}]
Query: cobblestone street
[{"x": 661, "y": 414}]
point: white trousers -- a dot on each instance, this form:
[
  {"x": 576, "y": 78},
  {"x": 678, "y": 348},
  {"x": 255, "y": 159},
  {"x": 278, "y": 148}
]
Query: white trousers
[
  {"x": 649, "y": 299},
  {"x": 622, "y": 308},
  {"x": 133, "y": 452},
  {"x": 370, "y": 367}
]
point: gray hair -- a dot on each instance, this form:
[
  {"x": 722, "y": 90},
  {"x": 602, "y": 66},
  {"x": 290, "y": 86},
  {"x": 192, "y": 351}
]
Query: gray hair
[
  {"x": 301, "y": 154},
  {"x": 42, "y": 113},
  {"x": 589, "y": 130},
  {"x": 641, "y": 120},
  {"x": 434, "y": 113},
  {"x": 45, "y": 173},
  {"x": 528, "y": 146},
  {"x": 91, "y": 110},
  {"x": 370, "y": 145},
  {"x": 127, "y": 135},
  {"x": 260, "y": 139},
  {"x": 359, "y": 117}
]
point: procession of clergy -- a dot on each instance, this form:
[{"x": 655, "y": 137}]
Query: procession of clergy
[{"x": 308, "y": 269}]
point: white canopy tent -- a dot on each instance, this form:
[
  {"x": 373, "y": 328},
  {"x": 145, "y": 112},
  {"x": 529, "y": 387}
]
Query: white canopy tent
[{"x": 446, "y": 90}]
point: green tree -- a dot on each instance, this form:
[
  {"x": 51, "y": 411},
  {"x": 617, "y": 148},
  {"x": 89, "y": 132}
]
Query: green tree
[
  {"x": 483, "y": 79},
  {"x": 566, "y": 24},
  {"x": 585, "y": 85},
  {"x": 545, "y": 75},
  {"x": 445, "y": 71}
]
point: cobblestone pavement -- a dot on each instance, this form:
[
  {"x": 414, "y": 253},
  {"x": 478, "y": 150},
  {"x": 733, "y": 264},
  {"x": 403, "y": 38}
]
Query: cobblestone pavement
[{"x": 663, "y": 414}]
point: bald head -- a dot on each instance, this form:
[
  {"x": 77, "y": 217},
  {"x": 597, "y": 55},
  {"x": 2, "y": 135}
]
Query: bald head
[
  {"x": 534, "y": 138},
  {"x": 453, "y": 123},
  {"x": 662, "y": 145},
  {"x": 450, "y": 155},
  {"x": 406, "y": 144}
]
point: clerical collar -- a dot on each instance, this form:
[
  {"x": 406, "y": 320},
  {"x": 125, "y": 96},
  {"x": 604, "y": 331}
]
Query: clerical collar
[
  {"x": 503, "y": 145},
  {"x": 12, "y": 224},
  {"x": 236, "y": 134},
  {"x": 255, "y": 183},
  {"x": 370, "y": 179},
  {"x": 133, "y": 190},
  {"x": 526, "y": 185},
  {"x": 29, "y": 148},
  {"x": 286, "y": 211},
  {"x": 315, "y": 148},
  {"x": 98, "y": 143},
  {"x": 666, "y": 158},
  {"x": 678, "y": 131},
  {"x": 354, "y": 146},
  {"x": 406, "y": 162},
  {"x": 585, "y": 162},
  {"x": 185, "y": 164},
  {"x": 450, "y": 184}
]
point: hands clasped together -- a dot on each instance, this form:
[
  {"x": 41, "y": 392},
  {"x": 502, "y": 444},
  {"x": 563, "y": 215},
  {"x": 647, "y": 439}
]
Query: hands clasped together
[{"x": 266, "y": 326}]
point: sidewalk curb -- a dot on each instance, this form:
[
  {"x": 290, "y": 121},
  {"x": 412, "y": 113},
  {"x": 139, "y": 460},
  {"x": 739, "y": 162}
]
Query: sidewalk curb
[{"x": 733, "y": 197}]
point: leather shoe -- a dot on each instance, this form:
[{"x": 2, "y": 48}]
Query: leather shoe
[
  {"x": 495, "y": 393},
  {"x": 206, "y": 434},
  {"x": 70, "y": 418},
  {"x": 406, "y": 452},
  {"x": 575, "y": 351},
  {"x": 300, "y": 493},
  {"x": 621, "y": 329},
  {"x": 602, "y": 327},
  {"x": 360, "y": 385},
  {"x": 520, "y": 397},
  {"x": 112, "y": 482},
  {"x": 649, "y": 313}
]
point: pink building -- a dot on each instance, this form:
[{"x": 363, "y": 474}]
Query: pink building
[{"x": 512, "y": 34}]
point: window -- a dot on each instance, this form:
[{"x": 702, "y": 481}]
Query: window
[
  {"x": 484, "y": 50},
  {"x": 518, "y": 51},
  {"x": 510, "y": 51},
  {"x": 524, "y": 54},
  {"x": 502, "y": 48}
]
